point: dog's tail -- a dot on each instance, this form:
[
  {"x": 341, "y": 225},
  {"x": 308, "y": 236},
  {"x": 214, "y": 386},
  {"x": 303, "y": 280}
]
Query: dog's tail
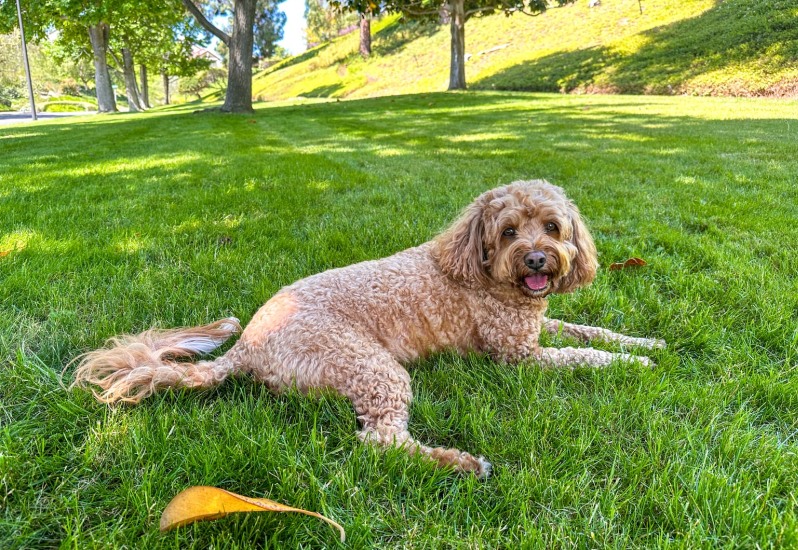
[{"x": 131, "y": 367}]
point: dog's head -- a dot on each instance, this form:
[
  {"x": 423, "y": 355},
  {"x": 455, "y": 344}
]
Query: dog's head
[{"x": 526, "y": 236}]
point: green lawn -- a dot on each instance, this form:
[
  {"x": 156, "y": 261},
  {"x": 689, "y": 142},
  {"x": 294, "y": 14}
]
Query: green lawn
[{"x": 114, "y": 223}]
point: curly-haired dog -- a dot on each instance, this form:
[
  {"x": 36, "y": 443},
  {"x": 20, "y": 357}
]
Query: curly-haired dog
[{"x": 481, "y": 285}]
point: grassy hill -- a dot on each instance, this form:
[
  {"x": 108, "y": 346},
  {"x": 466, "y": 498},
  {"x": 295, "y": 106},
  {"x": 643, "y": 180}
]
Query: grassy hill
[
  {"x": 703, "y": 47},
  {"x": 181, "y": 218}
]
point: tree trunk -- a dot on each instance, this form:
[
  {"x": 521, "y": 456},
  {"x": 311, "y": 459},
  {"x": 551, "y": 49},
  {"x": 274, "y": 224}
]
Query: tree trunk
[
  {"x": 165, "y": 79},
  {"x": 365, "y": 35},
  {"x": 145, "y": 87},
  {"x": 238, "y": 98},
  {"x": 457, "y": 80},
  {"x": 98, "y": 34},
  {"x": 131, "y": 89}
]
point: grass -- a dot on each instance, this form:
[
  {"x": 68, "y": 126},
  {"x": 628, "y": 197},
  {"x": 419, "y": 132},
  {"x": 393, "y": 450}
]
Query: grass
[
  {"x": 112, "y": 224},
  {"x": 694, "y": 47}
]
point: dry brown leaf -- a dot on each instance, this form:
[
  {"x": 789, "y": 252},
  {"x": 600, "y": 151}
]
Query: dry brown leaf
[
  {"x": 631, "y": 262},
  {"x": 4, "y": 253},
  {"x": 209, "y": 503}
]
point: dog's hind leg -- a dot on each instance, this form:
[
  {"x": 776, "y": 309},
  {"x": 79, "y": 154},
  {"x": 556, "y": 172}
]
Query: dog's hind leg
[
  {"x": 379, "y": 388},
  {"x": 586, "y": 333}
]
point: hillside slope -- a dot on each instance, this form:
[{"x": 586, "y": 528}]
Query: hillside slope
[{"x": 706, "y": 47}]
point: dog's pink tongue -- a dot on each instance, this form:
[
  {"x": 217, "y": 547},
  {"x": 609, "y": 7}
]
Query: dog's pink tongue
[{"x": 537, "y": 281}]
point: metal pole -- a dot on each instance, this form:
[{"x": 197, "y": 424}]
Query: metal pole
[{"x": 27, "y": 65}]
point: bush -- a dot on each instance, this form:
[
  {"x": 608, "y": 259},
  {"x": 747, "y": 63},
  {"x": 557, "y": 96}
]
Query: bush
[
  {"x": 8, "y": 94},
  {"x": 74, "y": 98},
  {"x": 69, "y": 86},
  {"x": 214, "y": 78},
  {"x": 67, "y": 107}
]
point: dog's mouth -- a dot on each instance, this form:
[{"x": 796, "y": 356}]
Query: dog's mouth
[{"x": 537, "y": 284}]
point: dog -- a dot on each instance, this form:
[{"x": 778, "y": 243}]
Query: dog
[{"x": 480, "y": 286}]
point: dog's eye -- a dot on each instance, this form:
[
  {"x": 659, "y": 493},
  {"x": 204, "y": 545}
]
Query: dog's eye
[
  {"x": 550, "y": 227},
  {"x": 509, "y": 232}
]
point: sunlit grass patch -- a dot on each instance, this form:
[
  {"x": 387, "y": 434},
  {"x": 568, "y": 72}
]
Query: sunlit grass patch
[{"x": 180, "y": 219}]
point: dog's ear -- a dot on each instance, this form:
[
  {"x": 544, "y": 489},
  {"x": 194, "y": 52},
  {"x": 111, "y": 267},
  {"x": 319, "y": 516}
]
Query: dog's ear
[
  {"x": 460, "y": 250},
  {"x": 584, "y": 260}
]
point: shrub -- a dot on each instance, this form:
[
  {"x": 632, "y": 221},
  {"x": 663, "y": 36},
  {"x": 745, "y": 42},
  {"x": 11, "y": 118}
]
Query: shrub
[
  {"x": 214, "y": 78},
  {"x": 69, "y": 86},
  {"x": 67, "y": 106},
  {"x": 8, "y": 94}
]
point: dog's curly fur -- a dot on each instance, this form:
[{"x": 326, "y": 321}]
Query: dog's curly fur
[{"x": 481, "y": 285}]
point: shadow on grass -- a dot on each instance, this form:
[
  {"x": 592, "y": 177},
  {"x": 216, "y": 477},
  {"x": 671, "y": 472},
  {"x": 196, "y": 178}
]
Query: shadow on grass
[
  {"x": 309, "y": 187},
  {"x": 295, "y": 59},
  {"x": 117, "y": 223},
  {"x": 400, "y": 33},
  {"x": 732, "y": 33},
  {"x": 324, "y": 91}
]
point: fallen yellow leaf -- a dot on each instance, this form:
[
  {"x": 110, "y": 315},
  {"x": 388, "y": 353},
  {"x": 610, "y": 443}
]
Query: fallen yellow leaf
[{"x": 209, "y": 503}]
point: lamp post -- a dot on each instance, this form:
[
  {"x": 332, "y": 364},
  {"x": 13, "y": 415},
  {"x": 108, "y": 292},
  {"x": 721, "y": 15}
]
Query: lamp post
[{"x": 27, "y": 65}]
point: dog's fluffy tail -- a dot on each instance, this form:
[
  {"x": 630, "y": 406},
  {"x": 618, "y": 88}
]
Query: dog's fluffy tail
[{"x": 131, "y": 367}]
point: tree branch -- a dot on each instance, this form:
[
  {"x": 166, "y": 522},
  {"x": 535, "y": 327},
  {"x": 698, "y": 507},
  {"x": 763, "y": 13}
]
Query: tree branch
[
  {"x": 416, "y": 3},
  {"x": 478, "y": 10},
  {"x": 202, "y": 20},
  {"x": 116, "y": 61},
  {"x": 411, "y": 11},
  {"x": 535, "y": 14},
  {"x": 530, "y": 14}
]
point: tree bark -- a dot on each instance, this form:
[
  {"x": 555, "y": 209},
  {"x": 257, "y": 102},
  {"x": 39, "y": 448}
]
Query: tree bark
[
  {"x": 145, "y": 87},
  {"x": 131, "y": 89},
  {"x": 165, "y": 78},
  {"x": 365, "y": 35},
  {"x": 457, "y": 79},
  {"x": 98, "y": 35},
  {"x": 238, "y": 98}
]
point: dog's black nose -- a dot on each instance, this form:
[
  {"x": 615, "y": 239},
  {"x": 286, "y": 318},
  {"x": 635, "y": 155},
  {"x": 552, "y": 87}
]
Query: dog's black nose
[{"x": 535, "y": 260}]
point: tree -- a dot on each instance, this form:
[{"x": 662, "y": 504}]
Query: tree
[
  {"x": 457, "y": 12},
  {"x": 365, "y": 35},
  {"x": 98, "y": 20},
  {"x": 173, "y": 54},
  {"x": 269, "y": 27},
  {"x": 99, "y": 31},
  {"x": 166, "y": 43},
  {"x": 326, "y": 21},
  {"x": 74, "y": 20},
  {"x": 238, "y": 95}
]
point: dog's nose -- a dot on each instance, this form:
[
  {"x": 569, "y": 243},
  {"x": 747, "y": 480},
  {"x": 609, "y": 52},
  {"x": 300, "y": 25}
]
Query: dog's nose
[{"x": 535, "y": 260}]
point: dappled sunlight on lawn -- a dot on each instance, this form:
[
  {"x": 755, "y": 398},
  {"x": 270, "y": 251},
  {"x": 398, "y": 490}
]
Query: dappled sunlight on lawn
[{"x": 116, "y": 224}]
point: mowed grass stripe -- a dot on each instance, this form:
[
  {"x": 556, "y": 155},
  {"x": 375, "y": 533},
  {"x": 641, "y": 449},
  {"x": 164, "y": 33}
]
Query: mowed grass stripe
[{"x": 116, "y": 223}]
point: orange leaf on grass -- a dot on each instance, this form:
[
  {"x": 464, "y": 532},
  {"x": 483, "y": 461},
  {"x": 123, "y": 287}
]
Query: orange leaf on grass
[
  {"x": 209, "y": 503},
  {"x": 4, "y": 253},
  {"x": 631, "y": 262}
]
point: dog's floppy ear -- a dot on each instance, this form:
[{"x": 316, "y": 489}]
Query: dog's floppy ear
[
  {"x": 584, "y": 261},
  {"x": 460, "y": 250}
]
